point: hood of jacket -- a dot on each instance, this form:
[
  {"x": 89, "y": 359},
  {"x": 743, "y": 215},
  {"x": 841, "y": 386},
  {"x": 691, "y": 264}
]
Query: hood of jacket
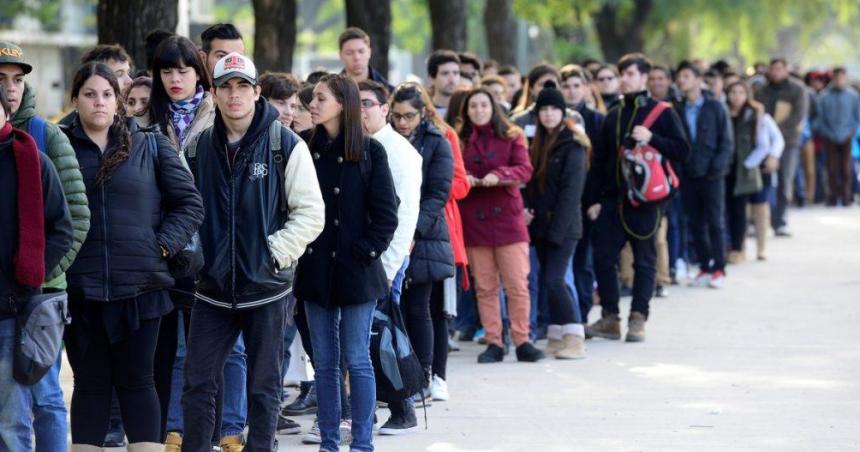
[{"x": 27, "y": 109}]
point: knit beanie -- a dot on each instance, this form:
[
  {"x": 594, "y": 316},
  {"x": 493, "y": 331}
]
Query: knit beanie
[{"x": 550, "y": 96}]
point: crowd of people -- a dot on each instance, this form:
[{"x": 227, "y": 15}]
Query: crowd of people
[{"x": 200, "y": 216}]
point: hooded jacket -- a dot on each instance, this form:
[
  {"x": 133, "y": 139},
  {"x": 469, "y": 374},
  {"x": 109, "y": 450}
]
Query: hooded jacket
[
  {"x": 557, "y": 205},
  {"x": 61, "y": 154},
  {"x": 148, "y": 204},
  {"x": 249, "y": 243}
]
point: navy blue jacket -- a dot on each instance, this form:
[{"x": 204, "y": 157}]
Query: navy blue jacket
[
  {"x": 149, "y": 202},
  {"x": 58, "y": 221},
  {"x": 712, "y": 150},
  {"x": 342, "y": 267},
  {"x": 243, "y": 208},
  {"x": 432, "y": 258}
]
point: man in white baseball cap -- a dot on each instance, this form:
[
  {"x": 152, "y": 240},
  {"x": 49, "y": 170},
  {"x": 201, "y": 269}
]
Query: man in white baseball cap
[{"x": 268, "y": 184}]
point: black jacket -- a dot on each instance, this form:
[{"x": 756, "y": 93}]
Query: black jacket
[
  {"x": 606, "y": 183},
  {"x": 432, "y": 258},
  {"x": 712, "y": 149},
  {"x": 342, "y": 267},
  {"x": 593, "y": 120},
  {"x": 557, "y": 207},
  {"x": 243, "y": 208},
  {"x": 150, "y": 201},
  {"x": 58, "y": 221}
]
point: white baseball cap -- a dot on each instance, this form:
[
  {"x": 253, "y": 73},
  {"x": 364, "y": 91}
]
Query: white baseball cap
[{"x": 235, "y": 65}]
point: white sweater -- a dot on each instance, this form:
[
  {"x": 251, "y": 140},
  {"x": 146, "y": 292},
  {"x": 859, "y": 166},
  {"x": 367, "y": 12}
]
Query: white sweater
[{"x": 405, "y": 163}]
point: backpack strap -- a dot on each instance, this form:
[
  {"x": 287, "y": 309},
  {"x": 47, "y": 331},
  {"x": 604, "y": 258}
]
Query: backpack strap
[
  {"x": 37, "y": 128},
  {"x": 276, "y": 145},
  {"x": 654, "y": 114}
]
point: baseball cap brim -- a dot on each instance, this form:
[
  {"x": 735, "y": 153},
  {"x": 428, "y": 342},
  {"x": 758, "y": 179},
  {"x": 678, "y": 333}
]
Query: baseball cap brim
[
  {"x": 220, "y": 81},
  {"x": 26, "y": 67}
]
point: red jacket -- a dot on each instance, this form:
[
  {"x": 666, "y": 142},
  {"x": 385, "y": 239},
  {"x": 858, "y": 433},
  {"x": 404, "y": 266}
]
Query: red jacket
[
  {"x": 493, "y": 216},
  {"x": 459, "y": 190}
]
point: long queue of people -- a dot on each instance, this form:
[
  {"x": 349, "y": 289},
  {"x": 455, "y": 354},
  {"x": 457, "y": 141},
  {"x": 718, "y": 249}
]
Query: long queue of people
[{"x": 201, "y": 216}]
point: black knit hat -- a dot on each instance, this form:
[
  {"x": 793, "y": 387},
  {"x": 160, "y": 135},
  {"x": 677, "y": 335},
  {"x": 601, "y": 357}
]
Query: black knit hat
[{"x": 550, "y": 95}]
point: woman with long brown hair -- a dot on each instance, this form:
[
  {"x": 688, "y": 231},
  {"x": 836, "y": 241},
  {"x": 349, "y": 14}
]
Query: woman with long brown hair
[
  {"x": 758, "y": 146},
  {"x": 145, "y": 209},
  {"x": 494, "y": 229},
  {"x": 559, "y": 155}
]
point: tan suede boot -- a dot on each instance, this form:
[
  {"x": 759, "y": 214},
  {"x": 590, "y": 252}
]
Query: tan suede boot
[
  {"x": 232, "y": 444},
  {"x": 608, "y": 327},
  {"x": 574, "y": 347},
  {"x": 173, "y": 443},
  {"x": 636, "y": 327},
  {"x": 761, "y": 220}
]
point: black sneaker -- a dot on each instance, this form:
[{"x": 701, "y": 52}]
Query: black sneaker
[
  {"x": 528, "y": 353},
  {"x": 400, "y": 424},
  {"x": 468, "y": 334},
  {"x": 306, "y": 403},
  {"x": 661, "y": 292},
  {"x": 288, "y": 426},
  {"x": 493, "y": 354}
]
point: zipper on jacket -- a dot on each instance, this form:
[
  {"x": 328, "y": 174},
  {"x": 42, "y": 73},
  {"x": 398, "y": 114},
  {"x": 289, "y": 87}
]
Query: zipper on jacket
[
  {"x": 233, "y": 229},
  {"x": 105, "y": 241}
]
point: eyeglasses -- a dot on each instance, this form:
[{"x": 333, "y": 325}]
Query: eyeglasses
[
  {"x": 367, "y": 103},
  {"x": 409, "y": 117},
  {"x": 606, "y": 79}
]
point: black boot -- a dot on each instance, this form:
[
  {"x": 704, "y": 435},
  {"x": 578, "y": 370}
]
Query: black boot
[
  {"x": 527, "y": 352},
  {"x": 306, "y": 403},
  {"x": 493, "y": 354},
  {"x": 402, "y": 420}
]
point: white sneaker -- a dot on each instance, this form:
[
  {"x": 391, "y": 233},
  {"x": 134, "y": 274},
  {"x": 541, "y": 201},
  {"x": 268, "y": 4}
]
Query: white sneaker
[
  {"x": 680, "y": 269},
  {"x": 439, "y": 389},
  {"x": 313, "y": 436},
  {"x": 718, "y": 280},
  {"x": 702, "y": 280}
]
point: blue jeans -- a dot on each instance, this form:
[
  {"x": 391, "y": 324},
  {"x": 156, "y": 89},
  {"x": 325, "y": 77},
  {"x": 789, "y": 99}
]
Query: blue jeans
[
  {"x": 212, "y": 336},
  {"x": 583, "y": 269},
  {"x": 49, "y": 411},
  {"x": 467, "y": 307},
  {"x": 343, "y": 330},
  {"x": 235, "y": 397},
  {"x": 15, "y": 425},
  {"x": 174, "y": 412},
  {"x": 289, "y": 336}
]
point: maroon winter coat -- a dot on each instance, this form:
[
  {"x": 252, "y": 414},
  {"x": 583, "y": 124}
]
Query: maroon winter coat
[{"x": 493, "y": 216}]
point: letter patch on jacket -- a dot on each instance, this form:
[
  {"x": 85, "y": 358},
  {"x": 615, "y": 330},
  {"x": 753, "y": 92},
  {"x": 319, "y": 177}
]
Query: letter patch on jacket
[{"x": 258, "y": 171}]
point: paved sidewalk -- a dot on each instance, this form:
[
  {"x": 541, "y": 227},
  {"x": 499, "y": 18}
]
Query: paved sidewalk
[{"x": 771, "y": 362}]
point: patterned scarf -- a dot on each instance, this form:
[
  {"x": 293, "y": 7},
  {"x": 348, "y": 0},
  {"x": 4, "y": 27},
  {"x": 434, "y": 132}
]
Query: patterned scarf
[{"x": 183, "y": 113}]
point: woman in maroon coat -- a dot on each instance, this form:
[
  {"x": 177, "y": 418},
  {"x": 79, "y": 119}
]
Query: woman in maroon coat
[{"x": 497, "y": 240}]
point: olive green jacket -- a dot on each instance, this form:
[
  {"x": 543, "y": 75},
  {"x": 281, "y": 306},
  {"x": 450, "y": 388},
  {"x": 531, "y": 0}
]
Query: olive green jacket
[{"x": 62, "y": 154}]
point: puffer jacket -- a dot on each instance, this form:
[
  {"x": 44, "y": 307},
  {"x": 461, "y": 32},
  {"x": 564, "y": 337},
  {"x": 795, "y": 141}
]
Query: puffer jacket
[
  {"x": 61, "y": 154},
  {"x": 431, "y": 259},
  {"x": 149, "y": 203},
  {"x": 459, "y": 189}
]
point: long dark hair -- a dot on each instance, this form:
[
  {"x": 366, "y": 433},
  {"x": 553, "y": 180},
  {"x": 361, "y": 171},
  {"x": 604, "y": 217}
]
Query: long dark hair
[
  {"x": 528, "y": 96},
  {"x": 119, "y": 137},
  {"x": 542, "y": 146},
  {"x": 502, "y": 127},
  {"x": 415, "y": 95},
  {"x": 455, "y": 107},
  {"x": 173, "y": 52},
  {"x": 345, "y": 92}
]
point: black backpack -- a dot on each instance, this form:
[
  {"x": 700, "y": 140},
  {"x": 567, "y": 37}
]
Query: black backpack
[{"x": 399, "y": 374}]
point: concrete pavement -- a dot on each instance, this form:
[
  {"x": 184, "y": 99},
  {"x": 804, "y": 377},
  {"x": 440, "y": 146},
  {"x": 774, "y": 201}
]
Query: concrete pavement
[{"x": 771, "y": 362}]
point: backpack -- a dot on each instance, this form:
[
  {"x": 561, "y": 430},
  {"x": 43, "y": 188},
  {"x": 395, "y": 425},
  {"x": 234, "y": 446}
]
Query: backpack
[
  {"x": 37, "y": 128},
  {"x": 650, "y": 177},
  {"x": 40, "y": 321},
  {"x": 398, "y": 372}
]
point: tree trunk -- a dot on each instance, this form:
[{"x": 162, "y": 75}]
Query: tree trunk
[
  {"x": 374, "y": 17},
  {"x": 619, "y": 36},
  {"x": 500, "y": 26},
  {"x": 127, "y": 22},
  {"x": 274, "y": 34},
  {"x": 448, "y": 19}
]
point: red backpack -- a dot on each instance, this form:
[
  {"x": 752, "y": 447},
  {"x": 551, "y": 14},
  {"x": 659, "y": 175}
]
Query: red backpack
[{"x": 650, "y": 177}]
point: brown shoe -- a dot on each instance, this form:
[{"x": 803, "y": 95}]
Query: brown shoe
[
  {"x": 608, "y": 327},
  {"x": 173, "y": 442},
  {"x": 232, "y": 444},
  {"x": 553, "y": 345},
  {"x": 574, "y": 348},
  {"x": 636, "y": 328},
  {"x": 736, "y": 257}
]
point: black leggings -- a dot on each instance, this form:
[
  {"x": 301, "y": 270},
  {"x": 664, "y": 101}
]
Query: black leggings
[
  {"x": 99, "y": 367},
  {"x": 415, "y": 304},
  {"x": 165, "y": 355},
  {"x": 440, "y": 329},
  {"x": 736, "y": 206},
  {"x": 554, "y": 261}
]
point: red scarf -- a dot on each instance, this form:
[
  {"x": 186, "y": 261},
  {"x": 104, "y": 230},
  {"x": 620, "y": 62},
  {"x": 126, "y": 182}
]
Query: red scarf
[{"x": 30, "y": 260}]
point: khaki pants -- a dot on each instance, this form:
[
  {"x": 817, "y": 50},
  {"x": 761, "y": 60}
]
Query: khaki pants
[
  {"x": 511, "y": 263},
  {"x": 625, "y": 263}
]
